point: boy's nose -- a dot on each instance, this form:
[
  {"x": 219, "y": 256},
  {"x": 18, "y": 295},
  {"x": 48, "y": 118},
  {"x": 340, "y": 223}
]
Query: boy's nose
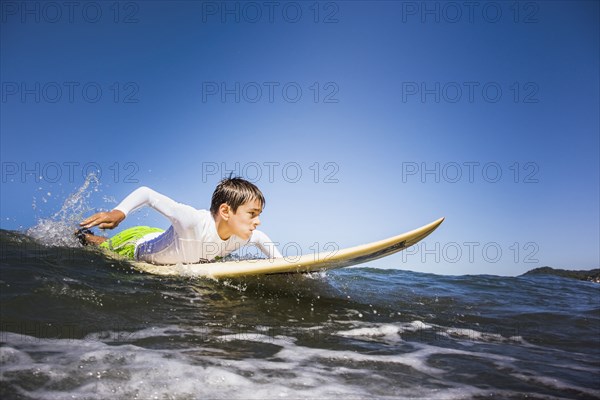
[{"x": 257, "y": 222}]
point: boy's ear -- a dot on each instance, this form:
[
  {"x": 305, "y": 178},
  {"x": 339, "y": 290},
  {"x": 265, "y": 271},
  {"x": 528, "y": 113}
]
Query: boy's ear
[{"x": 224, "y": 211}]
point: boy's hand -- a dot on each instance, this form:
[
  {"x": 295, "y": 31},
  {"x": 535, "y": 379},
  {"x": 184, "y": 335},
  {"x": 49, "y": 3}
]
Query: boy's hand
[{"x": 104, "y": 220}]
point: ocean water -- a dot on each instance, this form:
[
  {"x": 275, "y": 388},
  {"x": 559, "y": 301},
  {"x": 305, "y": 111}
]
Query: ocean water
[{"x": 77, "y": 325}]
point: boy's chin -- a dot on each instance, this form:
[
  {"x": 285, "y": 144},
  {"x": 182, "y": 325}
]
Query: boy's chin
[{"x": 245, "y": 235}]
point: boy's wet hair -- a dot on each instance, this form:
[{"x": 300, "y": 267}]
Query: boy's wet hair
[{"x": 234, "y": 192}]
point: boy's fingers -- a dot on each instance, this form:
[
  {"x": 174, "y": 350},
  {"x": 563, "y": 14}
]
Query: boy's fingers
[
  {"x": 85, "y": 221},
  {"x": 95, "y": 218},
  {"x": 102, "y": 219},
  {"x": 107, "y": 225},
  {"x": 88, "y": 223}
]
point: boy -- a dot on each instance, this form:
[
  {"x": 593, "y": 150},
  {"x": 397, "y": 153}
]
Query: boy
[{"x": 194, "y": 235}]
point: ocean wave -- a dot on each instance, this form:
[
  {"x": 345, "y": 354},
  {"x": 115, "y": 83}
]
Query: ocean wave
[{"x": 75, "y": 322}]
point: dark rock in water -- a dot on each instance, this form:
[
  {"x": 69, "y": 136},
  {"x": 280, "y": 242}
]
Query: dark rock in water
[{"x": 592, "y": 275}]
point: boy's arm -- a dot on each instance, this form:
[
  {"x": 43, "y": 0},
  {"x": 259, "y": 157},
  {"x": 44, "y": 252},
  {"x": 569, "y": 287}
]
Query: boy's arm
[
  {"x": 265, "y": 244},
  {"x": 138, "y": 198},
  {"x": 143, "y": 196}
]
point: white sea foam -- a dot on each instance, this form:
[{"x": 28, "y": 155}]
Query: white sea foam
[
  {"x": 387, "y": 331},
  {"x": 91, "y": 368},
  {"x": 555, "y": 383},
  {"x": 391, "y": 333},
  {"x": 472, "y": 335},
  {"x": 97, "y": 371}
]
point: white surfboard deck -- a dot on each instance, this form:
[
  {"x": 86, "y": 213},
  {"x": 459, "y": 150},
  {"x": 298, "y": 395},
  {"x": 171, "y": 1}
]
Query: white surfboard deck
[{"x": 300, "y": 264}]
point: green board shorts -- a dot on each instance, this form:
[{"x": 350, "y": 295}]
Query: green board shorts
[{"x": 123, "y": 243}]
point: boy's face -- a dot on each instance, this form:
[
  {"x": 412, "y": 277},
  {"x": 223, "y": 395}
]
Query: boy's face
[{"x": 245, "y": 219}]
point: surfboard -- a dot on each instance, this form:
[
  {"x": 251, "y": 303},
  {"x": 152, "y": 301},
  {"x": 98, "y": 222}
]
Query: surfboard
[{"x": 298, "y": 264}]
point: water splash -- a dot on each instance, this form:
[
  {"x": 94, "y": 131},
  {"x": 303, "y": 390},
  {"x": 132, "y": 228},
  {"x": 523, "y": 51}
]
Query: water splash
[{"x": 58, "y": 229}]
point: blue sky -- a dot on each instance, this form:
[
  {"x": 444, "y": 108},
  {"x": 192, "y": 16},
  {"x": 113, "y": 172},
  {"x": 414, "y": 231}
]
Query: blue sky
[{"x": 358, "y": 120}]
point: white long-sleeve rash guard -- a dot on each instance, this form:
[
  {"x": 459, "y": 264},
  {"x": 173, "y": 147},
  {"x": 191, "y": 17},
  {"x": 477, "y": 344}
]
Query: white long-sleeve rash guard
[{"x": 192, "y": 237}]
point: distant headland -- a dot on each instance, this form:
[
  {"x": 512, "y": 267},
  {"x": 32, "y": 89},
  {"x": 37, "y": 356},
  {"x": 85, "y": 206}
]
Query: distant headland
[{"x": 592, "y": 275}]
